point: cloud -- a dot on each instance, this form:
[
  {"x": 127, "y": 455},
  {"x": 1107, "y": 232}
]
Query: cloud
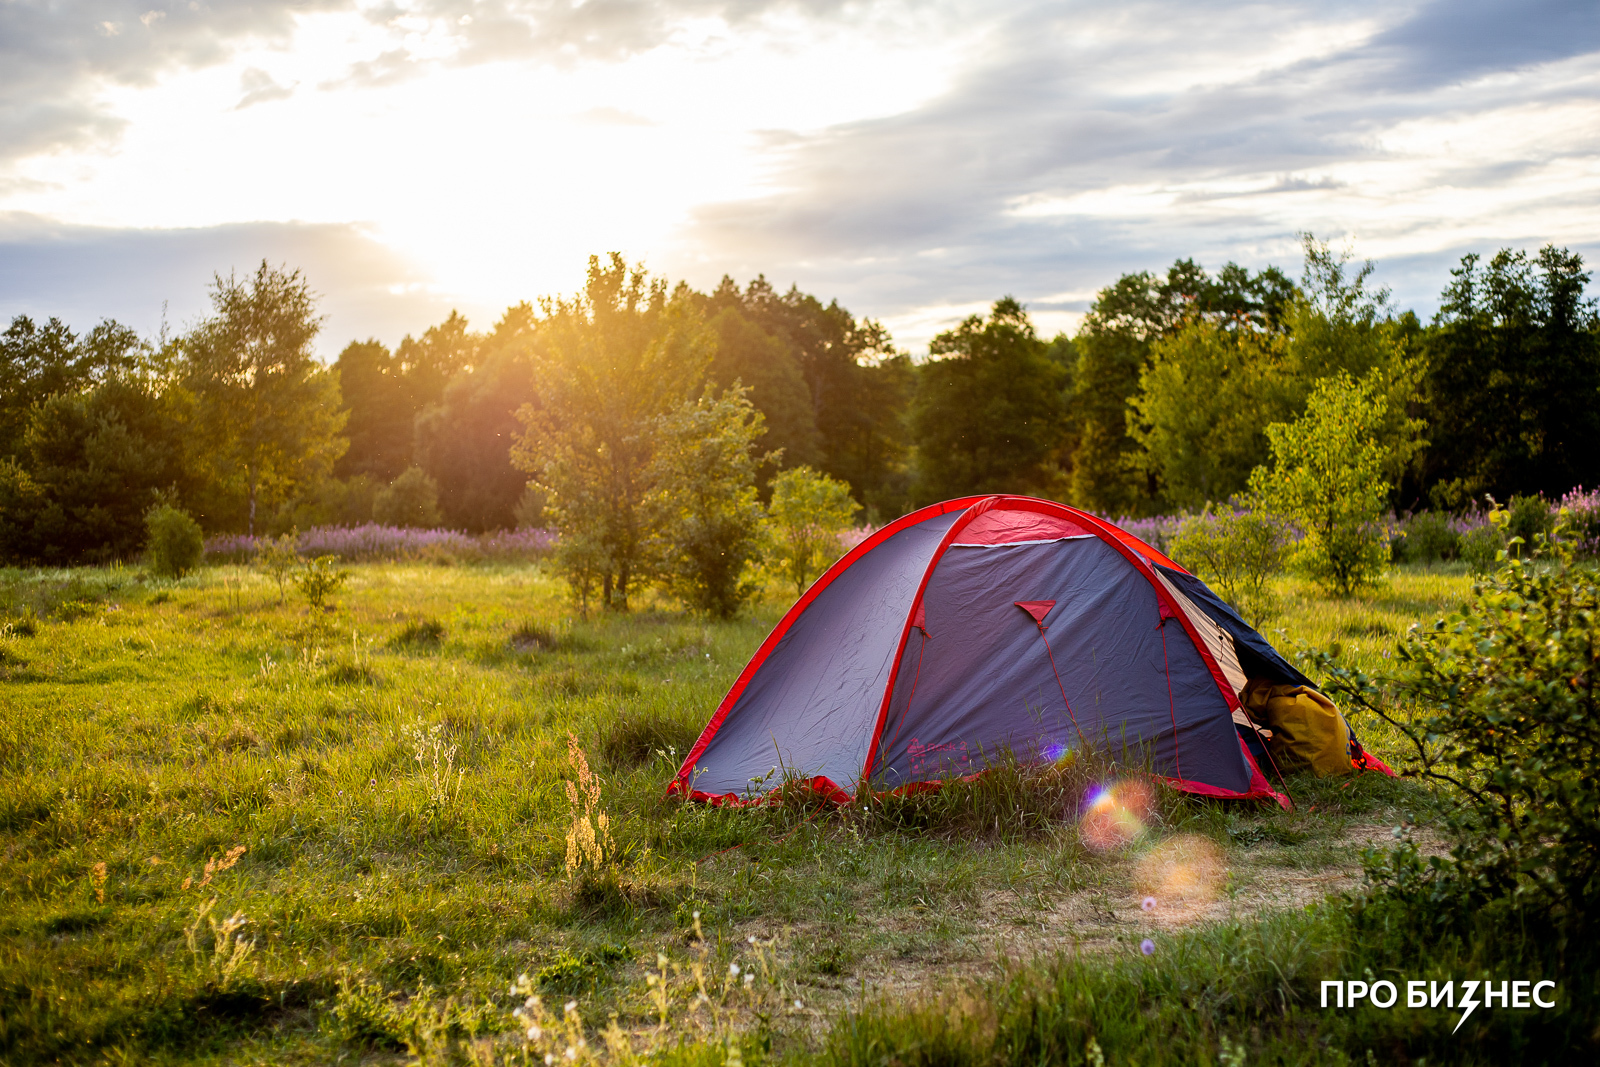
[
  {"x": 56, "y": 56},
  {"x": 611, "y": 116},
  {"x": 259, "y": 88},
  {"x": 82, "y": 274},
  {"x": 386, "y": 68},
  {"x": 1450, "y": 41},
  {"x": 1091, "y": 139}
]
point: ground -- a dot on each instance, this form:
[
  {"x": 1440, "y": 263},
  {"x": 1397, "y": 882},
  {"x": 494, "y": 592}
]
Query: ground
[{"x": 394, "y": 768}]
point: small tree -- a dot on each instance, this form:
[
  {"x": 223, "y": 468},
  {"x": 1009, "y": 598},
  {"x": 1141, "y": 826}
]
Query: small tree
[
  {"x": 175, "y": 542},
  {"x": 808, "y": 512},
  {"x": 704, "y": 502},
  {"x": 319, "y": 579},
  {"x": 1237, "y": 551},
  {"x": 1327, "y": 478},
  {"x": 278, "y": 556},
  {"x": 410, "y": 500}
]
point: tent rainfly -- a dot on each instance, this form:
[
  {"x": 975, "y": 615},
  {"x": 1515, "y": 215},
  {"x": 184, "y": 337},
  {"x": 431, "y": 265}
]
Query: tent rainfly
[{"x": 1002, "y": 623}]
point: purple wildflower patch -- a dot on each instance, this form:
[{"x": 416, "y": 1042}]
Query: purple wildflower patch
[{"x": 371, "y": 542}]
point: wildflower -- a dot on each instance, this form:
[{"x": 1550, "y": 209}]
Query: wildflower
[
  {"x": 748, "y": 978},
  {"x": 798, "y": 1005},
  {"x": 1148, "y": 947},
  {"x": 661, "y": 957},
  {"x": 572, "y": 1053},
  {"x": 1148, "y": 904},
  {"x": 751, "y": 939},
  {"x": 534, "y": 1033},
  {"x": 733, "y": 970},
  {"x": 697, "y": 916},
  {"x": 548, "y": 1058},
  {"x": 572, "y": 1006}
]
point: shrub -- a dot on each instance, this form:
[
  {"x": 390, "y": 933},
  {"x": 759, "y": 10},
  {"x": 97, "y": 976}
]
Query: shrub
[
  {"x": 319, "y": 579},
  {"x": 1501, "y": 702},
  {"x": 412, "y": 500},
  {"x": 1529, "y": 518},
  {"x": 1236, "y": 552},
  {"x": 809, "y": 511},
  {"x": 1480, "y": 547},
  {"x": 174, "y": 543},
  {"x": 1429, "y": 536}
]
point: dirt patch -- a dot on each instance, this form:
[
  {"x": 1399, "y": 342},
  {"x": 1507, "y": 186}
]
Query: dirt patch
[{"x": 1188, "y": 882}]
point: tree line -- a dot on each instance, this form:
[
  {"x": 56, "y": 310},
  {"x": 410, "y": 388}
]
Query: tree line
[{"x": 571, "y": 411}]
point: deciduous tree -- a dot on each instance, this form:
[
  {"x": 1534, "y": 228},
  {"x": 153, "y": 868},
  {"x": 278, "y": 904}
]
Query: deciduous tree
[
  {"x": 703, "y": 510},
  {"x": 614, "y": 359},
  {"x": 1212, "y": 385},
  {"x": 1108, "y": 473},
  {"x": 988, "y": 416},
  {"x": 267, "y": 413},
  {"x": 38, "y": 362}
]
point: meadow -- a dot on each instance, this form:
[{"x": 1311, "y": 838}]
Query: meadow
[{"x": 236, "y": 829}]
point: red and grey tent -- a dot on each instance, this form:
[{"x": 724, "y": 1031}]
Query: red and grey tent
[{"x": 987, "y": 624}]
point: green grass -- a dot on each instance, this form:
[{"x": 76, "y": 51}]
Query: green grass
[{"x": 153, "y": 726}]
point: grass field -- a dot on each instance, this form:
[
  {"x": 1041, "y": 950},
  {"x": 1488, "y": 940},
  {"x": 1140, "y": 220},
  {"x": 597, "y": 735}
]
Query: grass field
[{"x": 394, "y": 772}]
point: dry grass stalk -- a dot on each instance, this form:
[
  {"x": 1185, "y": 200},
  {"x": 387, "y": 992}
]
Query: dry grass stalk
[{"x": 589, "y": 842}]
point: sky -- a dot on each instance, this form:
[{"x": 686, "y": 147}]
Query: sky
[{"x": 915, "y": 161}]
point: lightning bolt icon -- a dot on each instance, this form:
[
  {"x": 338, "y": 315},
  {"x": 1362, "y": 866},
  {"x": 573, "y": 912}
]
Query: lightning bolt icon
[{"x": 1469, "y": 1000}]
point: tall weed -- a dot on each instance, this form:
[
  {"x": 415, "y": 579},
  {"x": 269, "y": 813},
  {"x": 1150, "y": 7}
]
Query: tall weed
[{"x": 435, "y": 757}]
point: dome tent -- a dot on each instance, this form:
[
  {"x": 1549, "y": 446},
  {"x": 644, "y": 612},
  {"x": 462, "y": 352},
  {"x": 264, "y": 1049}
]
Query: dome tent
[{"x": 990, "y": 623}]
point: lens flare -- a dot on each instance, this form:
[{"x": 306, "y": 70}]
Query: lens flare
[
  {"x": 1182, "y": 870},
  {"x": 1115, "y": 816}
]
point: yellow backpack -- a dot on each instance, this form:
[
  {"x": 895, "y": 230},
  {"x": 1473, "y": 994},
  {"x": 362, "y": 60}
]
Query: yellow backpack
[{"x": 1306, "y": 730}]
